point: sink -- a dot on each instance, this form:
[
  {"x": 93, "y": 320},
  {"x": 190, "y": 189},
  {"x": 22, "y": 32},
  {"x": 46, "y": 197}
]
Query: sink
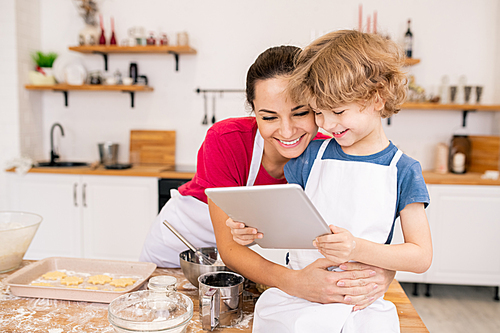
[{"x": 61, "y": 164}]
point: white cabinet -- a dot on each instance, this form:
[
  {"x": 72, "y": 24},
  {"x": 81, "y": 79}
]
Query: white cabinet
[
  {"x": 465, "y": 227},
  {"x": 54, "y": 197},
  {"x": 101, "y": 217}
]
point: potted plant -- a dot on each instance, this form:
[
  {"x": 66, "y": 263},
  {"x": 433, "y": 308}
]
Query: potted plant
[{"x": 43, "y": 74}]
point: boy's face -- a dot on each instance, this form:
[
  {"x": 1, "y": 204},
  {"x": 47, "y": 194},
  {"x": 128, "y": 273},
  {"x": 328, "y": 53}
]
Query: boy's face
[
  {"x": 357, "y": 130},
  {"x": 287, "y": 128}
]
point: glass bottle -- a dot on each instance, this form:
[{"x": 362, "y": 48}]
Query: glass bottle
[{"x": 409, "y": 41}]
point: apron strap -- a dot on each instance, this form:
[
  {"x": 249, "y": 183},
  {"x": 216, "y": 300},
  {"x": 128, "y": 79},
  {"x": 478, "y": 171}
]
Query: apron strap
[
  {"x": 258, "y": 149},
  {"x": 396, "y": 158},
  {"x": 322, "y": 149}
]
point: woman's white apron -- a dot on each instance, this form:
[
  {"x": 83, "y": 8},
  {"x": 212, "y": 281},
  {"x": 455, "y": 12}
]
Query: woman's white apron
[
  {"x": 357, "y": 196},
  {"x": 191, "y": 218}
]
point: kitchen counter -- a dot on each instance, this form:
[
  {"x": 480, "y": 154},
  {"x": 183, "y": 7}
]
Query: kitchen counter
[
  {"x": 187, "y": 172},
  {"x": 23, "y": 314},
  {"x": 469, "y": 178},
  {"x": 182, "y": 172}
]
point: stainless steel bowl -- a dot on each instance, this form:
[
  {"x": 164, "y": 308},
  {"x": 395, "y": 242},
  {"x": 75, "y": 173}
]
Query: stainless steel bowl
[{"x": 192, "y": 269}]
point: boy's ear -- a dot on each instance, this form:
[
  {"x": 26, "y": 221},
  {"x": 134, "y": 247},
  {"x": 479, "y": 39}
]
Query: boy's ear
[{"x": 378, "y": 103}]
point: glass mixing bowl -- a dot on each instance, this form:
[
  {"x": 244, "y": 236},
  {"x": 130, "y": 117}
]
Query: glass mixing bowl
[
  {"x": 156, "y": 310},
  {"x": 17, "y": 230}
]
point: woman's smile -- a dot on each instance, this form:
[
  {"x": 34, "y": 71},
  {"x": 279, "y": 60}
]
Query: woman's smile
[{"x": 290, "y": 143}]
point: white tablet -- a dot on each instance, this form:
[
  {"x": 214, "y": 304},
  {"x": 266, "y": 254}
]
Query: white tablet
[{"x": 283, "y": 213}]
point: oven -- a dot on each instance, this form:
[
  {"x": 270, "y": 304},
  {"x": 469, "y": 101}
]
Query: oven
[{"x": 164, "y": 187}]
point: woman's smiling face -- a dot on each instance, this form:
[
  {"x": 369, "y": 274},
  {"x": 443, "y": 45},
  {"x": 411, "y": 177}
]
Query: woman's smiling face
[{"x": 287, "y": 128}]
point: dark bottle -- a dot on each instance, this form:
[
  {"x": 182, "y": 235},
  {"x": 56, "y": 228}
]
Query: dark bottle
[
  {"x": 408, "y": 41},
  {"x": 133, "y": 71},
  {"x": 460, "y": 154},
  {"x": 112, "y": 41},
  {"x": 102, "y": 39}
]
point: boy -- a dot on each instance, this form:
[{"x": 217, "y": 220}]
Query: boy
[{"x": 359, "y": 181}]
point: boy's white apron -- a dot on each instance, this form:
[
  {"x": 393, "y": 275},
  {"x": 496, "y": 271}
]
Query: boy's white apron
[
  {"x": 191, "y": 218},
  {"x": 357, "y": 196}
]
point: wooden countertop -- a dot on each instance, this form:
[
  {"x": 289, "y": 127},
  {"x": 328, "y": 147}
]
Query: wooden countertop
[
  {"x": 22, "y": 314},
  {"x": 134, "y": 171},
  {"x": 469, "y": 178}
]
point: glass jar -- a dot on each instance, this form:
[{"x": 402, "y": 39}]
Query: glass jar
[
  {"x": 159, "y": 309},
  {"x": 460, "y": 154}
]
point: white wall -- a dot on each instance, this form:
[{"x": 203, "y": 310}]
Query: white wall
[
  {"x": 9, "y": 121},
  {"x": 451, "y": 37}
]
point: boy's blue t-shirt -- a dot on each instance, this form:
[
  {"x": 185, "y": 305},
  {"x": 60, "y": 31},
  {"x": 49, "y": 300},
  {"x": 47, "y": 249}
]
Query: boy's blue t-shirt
[{"x": 411, "y": 184}]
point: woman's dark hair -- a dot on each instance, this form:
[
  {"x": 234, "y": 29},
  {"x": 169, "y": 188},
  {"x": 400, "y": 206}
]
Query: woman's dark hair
[{"x": 273, "y": 62}]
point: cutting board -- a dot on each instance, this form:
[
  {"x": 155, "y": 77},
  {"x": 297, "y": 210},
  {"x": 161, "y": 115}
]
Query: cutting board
[
  {"x": 152, "y": 147},
  {"x": 485, "y": 153}
]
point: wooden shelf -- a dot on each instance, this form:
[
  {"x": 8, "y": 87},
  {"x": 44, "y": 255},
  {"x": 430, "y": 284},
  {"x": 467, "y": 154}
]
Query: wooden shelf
[
  {"x": 460, "y": 107},
  {"x": 64, "y": 88},
  {"x": 133, "y": 49},
  {"x": 104, "y": 50},
  {"x": 100, "y": 87},
  {"x": 465, "y": 108},
  {"x": 411, "y": 61}
]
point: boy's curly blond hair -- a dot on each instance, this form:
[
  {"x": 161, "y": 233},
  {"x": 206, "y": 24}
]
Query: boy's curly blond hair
[{"x": 349, "y": 66}]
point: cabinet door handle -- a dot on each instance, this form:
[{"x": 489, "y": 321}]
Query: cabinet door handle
[
  {"x": 84, "y": 195},
  {"x": 75, "y": 200}
]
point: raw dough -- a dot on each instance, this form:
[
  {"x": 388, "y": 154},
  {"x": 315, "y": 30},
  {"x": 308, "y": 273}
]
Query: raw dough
[
  {"x": 55, "y": 275},
  {"x": 123, "y": 282},
  {"x": 92, "y": 288},
  {"x": 41, "y": 284},
  {"x": 72, "y": 280},
  {"x": 99, "y": 279}
]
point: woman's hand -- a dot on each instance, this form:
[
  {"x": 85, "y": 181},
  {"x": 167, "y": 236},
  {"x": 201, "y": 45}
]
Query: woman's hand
[
  {"x": 358, "y": 284},
  {"x": 241, "y": 234},
  {"x": 378, "y": 282},
  {"x": 338, "y": 247}
]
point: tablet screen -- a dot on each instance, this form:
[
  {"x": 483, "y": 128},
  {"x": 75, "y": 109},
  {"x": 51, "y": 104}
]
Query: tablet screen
[{"x": 283, "y": 213}]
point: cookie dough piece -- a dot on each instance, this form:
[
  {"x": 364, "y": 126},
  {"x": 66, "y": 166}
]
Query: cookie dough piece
[
  {"x": 123, "y": 282},
  {"x": 55, "y": 275},
  {"x": 41, "y": 284},
  {"x": 72, "y": 280},
  {"x": 92, "y": 288},
  {"x": 100, "y": 279}
]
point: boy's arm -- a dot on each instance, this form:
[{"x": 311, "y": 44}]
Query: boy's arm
[{"x": 415, "y": 255}]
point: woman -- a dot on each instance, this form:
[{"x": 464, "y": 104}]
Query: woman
[{"x": 253, "y": 151}]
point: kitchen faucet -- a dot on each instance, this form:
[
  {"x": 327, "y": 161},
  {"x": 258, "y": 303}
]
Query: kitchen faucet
[{"x": 53, "y": 155}]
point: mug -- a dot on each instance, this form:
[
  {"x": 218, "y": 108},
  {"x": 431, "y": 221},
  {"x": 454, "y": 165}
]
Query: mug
[{"x": 221, "y": 299}]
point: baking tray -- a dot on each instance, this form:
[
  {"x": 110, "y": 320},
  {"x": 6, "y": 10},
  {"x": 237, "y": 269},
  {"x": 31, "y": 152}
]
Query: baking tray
[{"x": 20, "y": 281}]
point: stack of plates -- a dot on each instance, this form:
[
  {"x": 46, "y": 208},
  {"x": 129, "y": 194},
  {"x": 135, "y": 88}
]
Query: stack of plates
[{"x": 68, "y": 68}]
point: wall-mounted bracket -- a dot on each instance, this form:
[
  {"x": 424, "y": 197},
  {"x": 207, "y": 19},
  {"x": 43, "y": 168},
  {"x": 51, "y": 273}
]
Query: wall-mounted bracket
[
  {"x": 105, "y": 56},
  {"x": 132, "y": 96},
  {"x": 464, "y": 116},
  {"x": 176, "y": 55},
  {"x": 65, "y": 93}
]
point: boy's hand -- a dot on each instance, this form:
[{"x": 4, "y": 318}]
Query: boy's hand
[
  {"x": 338, "y": 247},
  {"x": 241, "y": 234}
]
